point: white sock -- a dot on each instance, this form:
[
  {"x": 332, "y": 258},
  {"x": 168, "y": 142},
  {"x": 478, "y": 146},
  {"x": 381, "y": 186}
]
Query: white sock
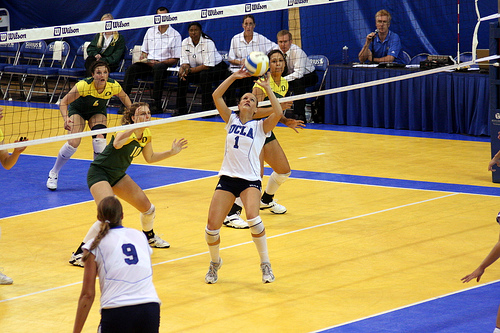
[
  {"x": 213, "y": 241},
  {"x": 497, "y": 330},
  {"x": 64, "y": 155},
  {"x": 148, "y": 219},
  {"x": 98, "y": 144},
  {"x": 238, "y": 202},
  {"x": 275, "y": 181},
  {"x": 256, "y": 228},
  {"x": 93, "y": 231}
]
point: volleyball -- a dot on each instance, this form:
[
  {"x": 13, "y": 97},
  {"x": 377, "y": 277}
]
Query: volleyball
[{"x": 257, "y": 63}]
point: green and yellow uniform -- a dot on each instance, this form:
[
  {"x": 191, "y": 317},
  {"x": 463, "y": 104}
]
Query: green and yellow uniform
[
  {"x": 279, "y": 91},
  {"x": 1, "y": 135},
  {"x": 92, "y": 102},
  {"x": 111, "y": 165}
]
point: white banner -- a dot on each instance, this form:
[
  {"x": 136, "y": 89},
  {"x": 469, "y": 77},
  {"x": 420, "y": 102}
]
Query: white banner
[{"x": 152, "y": 20}]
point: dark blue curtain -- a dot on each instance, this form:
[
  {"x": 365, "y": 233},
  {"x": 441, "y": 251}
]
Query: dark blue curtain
[{"x": 424, "y": 25}]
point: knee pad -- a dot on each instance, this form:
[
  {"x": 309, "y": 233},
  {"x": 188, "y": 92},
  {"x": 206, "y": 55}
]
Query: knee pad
[
  {"x": 256, "y": 225},
  {"x": 96, "y": 127},
  {"x": 212, "y": 236},
  {"x": 98, "y": 144},
  {"x": 147, "y": 218},
  {"x": 280, "y": 178}
]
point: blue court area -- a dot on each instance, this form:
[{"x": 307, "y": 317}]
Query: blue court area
[
  {"x": 73, "y": 187},
  {"x": 31, "y": 173},
  {"x": 470, "y": 311}
]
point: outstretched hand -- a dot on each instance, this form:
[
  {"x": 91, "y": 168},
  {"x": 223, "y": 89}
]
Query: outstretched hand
[
  {"x": 179, "y": 145},
  {"x": 20, "y": 149},
  {"x": 241, "y": 73},
  {"x": 264, "y": 80},
  {"x": 494, "y": 161},
  {"x": 474, "y": 275},
  {"x": 294, "y": 124}
]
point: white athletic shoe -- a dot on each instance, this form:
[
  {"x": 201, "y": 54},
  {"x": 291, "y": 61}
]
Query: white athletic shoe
[
  {"x": 157, "y": 242},
  {"x": 212, "y": 276},
  {"x": 76, "y": 259},
  {"x": 235, "y": 221},
  {"x": 274, "y": 207},
  {"x": 52, "y": 181},
  {"x": 4, "y": 279},
  {"x": 267, "y": 272}
]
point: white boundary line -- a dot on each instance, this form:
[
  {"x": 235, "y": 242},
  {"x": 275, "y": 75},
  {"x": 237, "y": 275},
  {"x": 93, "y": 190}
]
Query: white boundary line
[
  {"x": 246, "y": 243},
  {"x": 404, "y": 307}
]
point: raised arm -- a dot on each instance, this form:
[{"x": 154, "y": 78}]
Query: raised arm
[
  {"x": 218, "y": 94},
  {"x": 273, "y": 119}
]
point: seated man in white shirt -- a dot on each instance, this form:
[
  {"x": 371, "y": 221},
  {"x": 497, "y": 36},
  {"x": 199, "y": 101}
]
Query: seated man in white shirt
[
  {"x": 242, "y": 45},
  {"x": 301, "y": 72},
  {"x": 161, "y": 48}
]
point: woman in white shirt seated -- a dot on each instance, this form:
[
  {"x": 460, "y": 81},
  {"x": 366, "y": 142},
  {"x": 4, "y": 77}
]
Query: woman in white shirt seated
[{"x": 202, "y": 64}]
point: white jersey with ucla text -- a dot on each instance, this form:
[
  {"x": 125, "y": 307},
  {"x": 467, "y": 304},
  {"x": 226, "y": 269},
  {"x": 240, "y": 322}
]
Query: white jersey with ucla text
[
  {"x": 244, "y": 143},
  {"x": 124, "y": 267}
]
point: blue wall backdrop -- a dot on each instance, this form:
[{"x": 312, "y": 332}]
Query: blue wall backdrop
[{"x": 424, "y": 25}]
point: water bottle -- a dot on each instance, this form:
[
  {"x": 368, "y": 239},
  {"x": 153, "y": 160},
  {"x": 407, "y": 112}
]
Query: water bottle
[
  {"x": 308, "y": 110},
  {"x": 345, "y": 55}
]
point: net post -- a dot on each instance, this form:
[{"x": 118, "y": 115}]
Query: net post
[
  {"x": 494, "y": 104},
  {"x": 294, "y": 25}
]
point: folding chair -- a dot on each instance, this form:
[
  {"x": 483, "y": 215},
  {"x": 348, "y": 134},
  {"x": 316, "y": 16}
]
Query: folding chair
[
  {"x": 9, "y": 55},
  {"x": 321, "y": 64},
  {"x": 56, "y": 56},
  {"x": 406, "y": 57},
  {"x": 73, "y": 71},
  {"x": 4, "y": 19},
  {"x": 31, "y": 55},
  {"x": 125, "y": 63},
  {"x": 419, "y": 58}
]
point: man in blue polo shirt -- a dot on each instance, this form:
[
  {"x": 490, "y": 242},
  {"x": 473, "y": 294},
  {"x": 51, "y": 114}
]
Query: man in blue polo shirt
[{"x": 382, "y": 45}]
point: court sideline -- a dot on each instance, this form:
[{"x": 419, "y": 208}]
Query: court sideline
[{"x": 381, "y": 227}]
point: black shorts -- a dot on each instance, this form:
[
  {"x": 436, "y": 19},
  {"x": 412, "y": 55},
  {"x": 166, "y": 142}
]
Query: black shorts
[
  {"x": 97, "y": 174},
  {"x": 237, "y": 185},
  {"x": 141, "y": 318},
  {"x": 271, "y": 138}
]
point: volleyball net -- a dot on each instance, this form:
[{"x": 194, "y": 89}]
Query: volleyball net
[{"x": 309, "y": 21}]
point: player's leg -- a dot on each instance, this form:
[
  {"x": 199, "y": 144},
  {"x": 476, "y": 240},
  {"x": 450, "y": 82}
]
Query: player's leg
[
  {"x": 99, "y": 191},
  {"x": 250, "y": 198},
  {"x": 276, "y": 158},
  {"x": 233, "y": 218},
  {"x": 497, "y": 328},
  {"x": 98, "y": 121},
  {"x": 219, "y": 207},
  {"x": 129, "y": 191},
  {"x": 66, "y": 151}
]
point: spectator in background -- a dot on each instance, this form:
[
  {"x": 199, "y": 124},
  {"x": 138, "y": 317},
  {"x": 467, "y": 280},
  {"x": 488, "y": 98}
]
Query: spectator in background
[
  {"x": 161, "y": 49},
  {"x": 106, "y": 46},
  {"x": 242, "y": 45},
  {"x": 8, "y": 161},
  {"x": 301, "y": 72},
  {"x": 201, "y": 63},
  {"x": 382, "y": 45}
]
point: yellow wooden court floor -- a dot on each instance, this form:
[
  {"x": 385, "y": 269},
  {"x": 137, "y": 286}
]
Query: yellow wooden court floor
[{"x": 376, "y": 223}]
